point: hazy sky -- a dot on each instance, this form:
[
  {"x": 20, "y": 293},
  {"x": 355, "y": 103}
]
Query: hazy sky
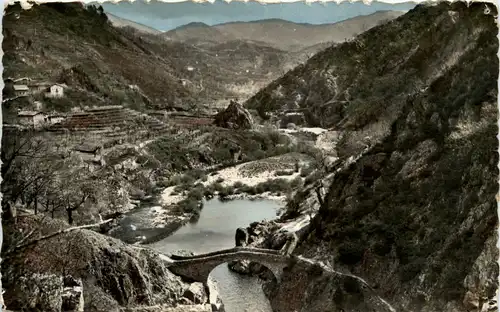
[{"x": 166, "y": 16}]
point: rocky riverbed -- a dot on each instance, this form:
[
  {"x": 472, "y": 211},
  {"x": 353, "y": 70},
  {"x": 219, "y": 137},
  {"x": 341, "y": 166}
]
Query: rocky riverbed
[{"x": 247, "y": 175}]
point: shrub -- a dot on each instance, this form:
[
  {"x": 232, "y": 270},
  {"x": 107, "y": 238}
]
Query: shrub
[
  {"x": 316, "y": 175},
  {"x": 226, "y": 191},
  {"x": 189, "y": 205},
  {"x": 196, "y": 194},
  {"x": 250, "y": 190},
  {"x": 256, "y": 155},
  {"x": 284, "y": 172},
  {"x": 187, "y": 179},
  {"x": 350, "y": 253},
  {"x": 163, "y": 183},
  {"x": 277, "y": 185},
  {"x": 208, "y": 193},
  {"x": 296, "y": 183},
  {"x": 196, "y": 174},
  {"x": 259, "y": 188},
  {"x": 175, "y": 180},
  {"x": 218, "y": 187},
  {"x": 238, "y": 185},
  {"x": 179, "y": 188},
  {"x": 276, "y": 137},
  {"x": 219, "y": 180},
  {"x": 306, "y": 171}
]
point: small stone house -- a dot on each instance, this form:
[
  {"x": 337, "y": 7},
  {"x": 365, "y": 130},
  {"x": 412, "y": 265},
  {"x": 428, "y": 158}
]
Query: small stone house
[
  {"x": 54, "y": 118},
  {"x": 38, "y": 87},
  {"x": 21, "y": 90},
  {"x": 31, "y": 118},
  {"x": 55, "y": 91}
]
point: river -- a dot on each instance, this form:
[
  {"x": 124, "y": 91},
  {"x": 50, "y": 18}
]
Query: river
[{"x": 214, "y": 230}]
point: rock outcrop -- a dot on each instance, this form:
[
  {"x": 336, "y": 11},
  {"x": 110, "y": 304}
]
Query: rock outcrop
[
  {"x": 313, "y": 286},
  {"x": 235, "y": 116},
  {"x": 196, "y": 293},
  {"x": 413, "y": 212},
  {"x": 82, "y": 269},
  {"x": 241, "y": 237}
]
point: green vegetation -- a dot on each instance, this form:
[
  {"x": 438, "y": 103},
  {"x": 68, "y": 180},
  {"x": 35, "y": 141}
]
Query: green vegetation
[
  {"x": 284, "y": 172},
  {"x": 413, "y": 199},
  {"x": 40, "y": 174},
  {"x": 368, "y": 85},
  {"x": 306, "y": 171},
  {"x": 192, "y": 203},
  {"x": 313, "y": 177},
  {"x": 177, "y": 153}
]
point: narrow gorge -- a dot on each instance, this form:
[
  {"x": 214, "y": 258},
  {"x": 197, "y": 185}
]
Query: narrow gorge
[{"x": 201, "y": 169}]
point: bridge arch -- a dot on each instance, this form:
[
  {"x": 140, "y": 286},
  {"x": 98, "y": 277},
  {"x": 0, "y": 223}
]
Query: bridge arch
[{"x": 198, "y": 268}]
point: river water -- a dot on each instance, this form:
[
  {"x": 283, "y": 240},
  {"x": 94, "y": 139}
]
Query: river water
[{"x": 215, "y": 230}]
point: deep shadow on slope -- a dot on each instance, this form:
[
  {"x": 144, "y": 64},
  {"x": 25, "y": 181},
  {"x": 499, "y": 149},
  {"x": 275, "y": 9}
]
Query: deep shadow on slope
[
  {"x": 114, "y": 275},
  {"x": 416, "y": 216},
  {"x": 351, "y": 84}
]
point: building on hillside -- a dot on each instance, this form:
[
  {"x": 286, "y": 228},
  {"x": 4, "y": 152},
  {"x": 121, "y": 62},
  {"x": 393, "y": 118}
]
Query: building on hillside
[
  {"x": 54, "y": 118},
  {"x": 21, "y": 90},
  {"x": 160, "y": 114},
  {"x": 31, "y": 118},
  {"x": 39, "y": 87},
  {"x": 55, "y": 91}
]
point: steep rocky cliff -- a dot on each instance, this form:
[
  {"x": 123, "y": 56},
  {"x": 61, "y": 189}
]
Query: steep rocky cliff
[
  {"x": 234, "y": 117},
  {"x": 351, "y": 84},
  {"x": 415, "y": 215},
  {"x": 85, "y": 271}
]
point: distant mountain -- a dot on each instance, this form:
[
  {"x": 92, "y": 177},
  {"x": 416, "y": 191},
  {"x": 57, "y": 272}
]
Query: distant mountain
[
  {"x": 196, "y": 33},
  {"x": 122, "y": 22},
  {"x": 106, "y": 65},
  {"x": 279, "y": 33},
  {"x": 166, "y": 16}
]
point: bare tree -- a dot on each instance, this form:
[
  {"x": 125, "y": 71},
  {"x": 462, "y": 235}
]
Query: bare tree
[{"x": 28, "y": 166}]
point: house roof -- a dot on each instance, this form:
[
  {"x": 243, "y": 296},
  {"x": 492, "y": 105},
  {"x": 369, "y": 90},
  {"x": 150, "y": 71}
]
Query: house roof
[
  {"x": 40, "y": 84},
  {"x": 21, "y": 88},
  {"x": 28, "y": 113},
  {"x": 56, "y": 115},
  {"x": 58, "y": 84}
]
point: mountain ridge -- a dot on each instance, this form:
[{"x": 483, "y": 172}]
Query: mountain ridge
[
  {"x": 123, "y": 22},
  {"x": 122, "y": 65},
  {"x": 272, "y": 20},
  {"x": 280, "y": 33},
  {"x": 409, "y": 206}
]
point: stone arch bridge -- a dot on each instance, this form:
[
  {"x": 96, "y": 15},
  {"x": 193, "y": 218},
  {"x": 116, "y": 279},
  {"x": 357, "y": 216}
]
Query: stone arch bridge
[{"x": 198, "y": 267}]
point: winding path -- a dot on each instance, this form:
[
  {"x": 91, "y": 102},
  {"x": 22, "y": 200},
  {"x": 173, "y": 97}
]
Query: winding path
[{"x": 197, "y": 268}]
